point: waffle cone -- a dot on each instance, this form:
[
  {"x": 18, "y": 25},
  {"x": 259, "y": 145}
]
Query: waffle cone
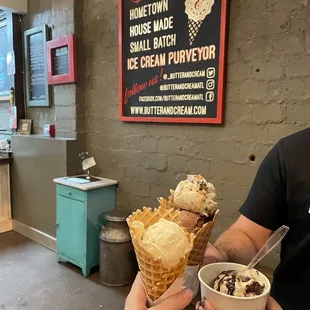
[
  {"x": 156, "y": 278},
  {"x": 193, "y": 29},
  {"x": 200, "y": 243},
  {"x": 201, "y": 238}
]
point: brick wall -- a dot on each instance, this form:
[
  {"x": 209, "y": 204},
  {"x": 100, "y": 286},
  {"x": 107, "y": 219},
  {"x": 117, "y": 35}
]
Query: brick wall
[{"x": 267, "y": 98}]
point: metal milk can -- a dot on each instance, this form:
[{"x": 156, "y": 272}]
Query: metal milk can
[{"x": 118, "y": 264}]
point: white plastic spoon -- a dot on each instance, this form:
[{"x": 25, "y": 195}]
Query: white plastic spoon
[{"x": 270, "y": 244}]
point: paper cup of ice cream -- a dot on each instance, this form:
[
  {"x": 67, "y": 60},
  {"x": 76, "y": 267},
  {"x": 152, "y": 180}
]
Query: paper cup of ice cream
[{"x": 227, "y": 288}]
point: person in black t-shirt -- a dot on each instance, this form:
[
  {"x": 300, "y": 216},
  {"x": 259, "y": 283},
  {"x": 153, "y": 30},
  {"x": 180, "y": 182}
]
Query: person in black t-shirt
[{"x": 280, "y": 195}]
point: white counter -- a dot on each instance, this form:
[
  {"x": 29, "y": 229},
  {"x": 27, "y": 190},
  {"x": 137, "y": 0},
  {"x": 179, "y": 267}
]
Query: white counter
[{"x": 102, "y": 182}]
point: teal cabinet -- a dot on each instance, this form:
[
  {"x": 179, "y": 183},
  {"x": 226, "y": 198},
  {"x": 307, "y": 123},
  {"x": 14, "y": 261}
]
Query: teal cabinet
[
  {"x": 79, "y": 215},
  {"x": 71, "y": 230}
]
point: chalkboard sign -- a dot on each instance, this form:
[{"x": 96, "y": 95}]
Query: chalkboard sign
[
  {"x": 172, "y": 60},
  {"x": 6, "y": 81},
  {"x": 37, "y": 67},
  {"x": 37, "y": 89},
  {"x": 61, "y": 60}
]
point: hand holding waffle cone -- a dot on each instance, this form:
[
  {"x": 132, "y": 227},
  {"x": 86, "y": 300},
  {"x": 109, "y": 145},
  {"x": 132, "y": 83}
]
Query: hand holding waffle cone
[
  {"x": 173, "y": 236},
  {"x": 158, "y": 272}
]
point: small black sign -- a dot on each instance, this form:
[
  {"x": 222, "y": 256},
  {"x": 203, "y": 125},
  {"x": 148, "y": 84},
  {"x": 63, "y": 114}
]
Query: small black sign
[
  {"x": 61, "y": 60},
  {"x": 173, "y": 60}
]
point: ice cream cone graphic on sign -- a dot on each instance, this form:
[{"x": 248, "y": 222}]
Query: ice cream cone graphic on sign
[{"x": 197, "y": 11}]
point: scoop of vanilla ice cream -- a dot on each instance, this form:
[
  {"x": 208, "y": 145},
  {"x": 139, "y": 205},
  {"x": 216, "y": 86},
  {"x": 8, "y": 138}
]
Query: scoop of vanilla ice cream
[
  {"x": 196, "y": 194},
  {"x": 164, "y": 240}
]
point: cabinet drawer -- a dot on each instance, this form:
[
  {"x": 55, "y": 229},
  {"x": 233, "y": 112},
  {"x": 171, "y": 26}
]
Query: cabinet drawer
[{"x": 71, "y": 192}]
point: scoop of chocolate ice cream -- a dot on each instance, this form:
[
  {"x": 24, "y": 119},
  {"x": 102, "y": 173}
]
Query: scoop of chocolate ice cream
[{"x": 191, "y": 221}]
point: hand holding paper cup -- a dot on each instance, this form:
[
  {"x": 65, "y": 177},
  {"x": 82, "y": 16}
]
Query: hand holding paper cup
[
  {"x": 217, "y": 283},
  {"x": 232, "y": 286}
]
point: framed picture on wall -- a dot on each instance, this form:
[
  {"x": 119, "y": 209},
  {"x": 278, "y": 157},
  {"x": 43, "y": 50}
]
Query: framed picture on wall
[
  {"x": 172, "y": 61},
  {"x": 37, "y": 88},
  {"x": 25, "y": 126},
  {"x": 61, "y": 59}
]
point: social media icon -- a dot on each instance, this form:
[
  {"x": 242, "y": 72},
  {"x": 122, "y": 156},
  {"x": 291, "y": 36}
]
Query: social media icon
[
  {"x": 210, "y": 84},
  {"x": 209, "y": 96},
  {"x": 210, "y": 72}
]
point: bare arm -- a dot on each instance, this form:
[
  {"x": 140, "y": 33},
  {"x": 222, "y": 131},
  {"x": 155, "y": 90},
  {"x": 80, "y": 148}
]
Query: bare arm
[{"x": 239, "y": 243}]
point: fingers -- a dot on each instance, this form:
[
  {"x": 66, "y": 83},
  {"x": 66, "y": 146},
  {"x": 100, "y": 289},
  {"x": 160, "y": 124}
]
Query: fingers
[
  {"x": 204, "y": 305},
  {"x": 136, "y": 298},
  {"x": 272, "y": 304},
  {"x": 176, "y": 302}
]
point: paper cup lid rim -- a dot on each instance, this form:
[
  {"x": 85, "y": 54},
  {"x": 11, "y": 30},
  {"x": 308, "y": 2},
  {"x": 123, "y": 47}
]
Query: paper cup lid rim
[{"x": 230, "y": 296}]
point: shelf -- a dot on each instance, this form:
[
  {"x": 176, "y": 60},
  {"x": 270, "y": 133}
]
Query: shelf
[{"x": 6, "y": 133}]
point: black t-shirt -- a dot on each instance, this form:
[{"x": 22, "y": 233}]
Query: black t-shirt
[{"x": 280, "y": 195}]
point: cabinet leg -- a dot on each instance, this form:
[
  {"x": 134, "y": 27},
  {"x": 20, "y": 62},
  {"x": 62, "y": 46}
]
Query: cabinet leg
[
  {"x": 85, "y": 271},
  {"x": 58, "y": 259}
]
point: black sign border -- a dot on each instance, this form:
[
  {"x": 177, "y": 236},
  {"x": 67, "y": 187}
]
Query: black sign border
[
  {"x": 219, "y": 119},
  {"x": 27, "y": 34}
]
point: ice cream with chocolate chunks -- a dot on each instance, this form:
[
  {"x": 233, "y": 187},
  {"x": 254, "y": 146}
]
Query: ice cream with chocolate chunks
[
  {"x": 239, "y": 284},
  {"x": 196, "y": 199}
]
